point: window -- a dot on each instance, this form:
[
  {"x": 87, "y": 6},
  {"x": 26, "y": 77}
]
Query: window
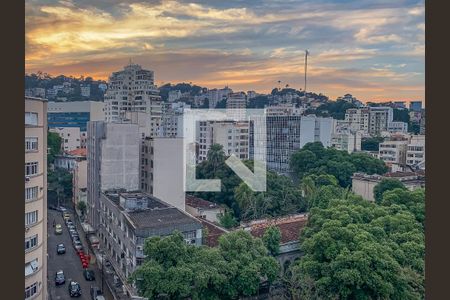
[
  {"x": 31, "y": 267},
  {"x": 31, "y": 290},
  {"x": 31, "y": 218},
  {"x": 31, "y": 193},
  {"x": 31, "y": 242},
  {"x": 31, "y": 118},
  {"x": 31, "y": 168},
  {"x": 31, "y": 143}
]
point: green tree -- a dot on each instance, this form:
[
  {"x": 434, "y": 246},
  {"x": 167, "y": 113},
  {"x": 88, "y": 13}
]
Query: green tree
[
  {"x": 176, "y": 270},
  {"x": 81, "y": 206},
  {"x": 412, "y": 201},
  {"x": 386, "y": 184},
  {"x": 371, "y": 144},
  {"x": 227, "y": 219},
  {"x": 356, "y": 249},
  {"x": 271, "y": 239},
  {"x": 54, "y": 145},
  {"x": 216, "y": 156}
]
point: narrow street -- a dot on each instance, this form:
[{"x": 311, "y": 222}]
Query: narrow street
[{"x": 69, "y": 262}]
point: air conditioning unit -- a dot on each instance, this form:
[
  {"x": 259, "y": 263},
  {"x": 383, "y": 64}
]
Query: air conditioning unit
[
  {"x": 140, "y": 248},
  {"x": 27, "y": 229},
  {"x": 27, "y": 178}
]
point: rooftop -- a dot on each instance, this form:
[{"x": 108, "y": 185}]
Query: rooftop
[
  {"x": 214, "y": 233},
  {"x": 200, "y": 203},
  {"x": 159, "y": 217},
  {"x": 290, "y": 227},
  {"x": 78, "y": 152}
]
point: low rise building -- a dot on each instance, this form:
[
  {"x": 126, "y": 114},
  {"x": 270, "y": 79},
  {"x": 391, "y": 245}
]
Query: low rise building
[
  {"x": 363, "y": 184},
  {"x": 415, "y": 153},
  {"x": 393, "y": 151},
  {"x": 69, "y": 159},
  {"x": 128, "y": 218},
  {"x": 70, "y": 137},
  {"x": 207, "y": 210},
  {"x": 397, "y": 127}
]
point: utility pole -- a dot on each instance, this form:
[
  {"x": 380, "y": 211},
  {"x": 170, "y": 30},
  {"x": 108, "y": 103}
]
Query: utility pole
[{"x": 306, "y": 68}]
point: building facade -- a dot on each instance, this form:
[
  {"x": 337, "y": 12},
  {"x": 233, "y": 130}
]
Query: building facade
[
  {"x": 74, "y": 114},
  {"x": 113, "y": 162},
  {"x": 415, "y": 153},
  {"x": 393, "y": 151},
  {"x": 70, "y": 137},
  {"x": 35, "y": 198},
  {"x": 132, "y": 89},
  {"x": 232, "y": 135},
  {"x": 128, "y": 218}
]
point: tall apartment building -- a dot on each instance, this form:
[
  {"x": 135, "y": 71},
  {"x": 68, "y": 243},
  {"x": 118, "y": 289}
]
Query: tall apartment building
[
  {"x": 132, "y": 89},
  {"x": 35, "y": 198},
  {"x": 74, "y": 114},
  {"x": 358, "y": 119},
  {"x": 415, "y": 153},
  {"x": 214, "y": 96},
  {"x": 128, "y": 218},
  {"x": 232, "y": 135},
  {"x": 287, "y": 134},
  {"x": 380, "y": 118},
  {"x": 172, "y": 119},
  {"x": 393, "y": 152},
  {"x": 113, "y": 162},
  {"x": 369, "y": 120},
  {"x": 162, "y": 170}
]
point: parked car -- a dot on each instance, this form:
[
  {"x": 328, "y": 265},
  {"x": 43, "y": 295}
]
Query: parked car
[
  {"x": 60, "y": 278},
  {"x": 60, "y": 249},
  {"x": 77, "y": 245},
  {"x": 74, "y": 289},
  {"x": 96, "y": 294},
  {"x": 69, "y": 223},
  {"x": 89, "y": 275},
  {"x": 58, "y": 229},
  {"x": 61, "y": 209},
  {"x": 66, "y": 216},
  {"x": 72, "y": 232}
]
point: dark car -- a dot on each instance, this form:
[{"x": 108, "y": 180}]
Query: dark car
[
  {"x": 60, "y": 249},
  {"x": 59, "y": 278},
  {"x": 74, "y": 289},
  {"x": 89, "y": 275}
]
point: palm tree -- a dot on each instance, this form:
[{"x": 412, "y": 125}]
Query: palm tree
[{"x": 216, "y": 156}]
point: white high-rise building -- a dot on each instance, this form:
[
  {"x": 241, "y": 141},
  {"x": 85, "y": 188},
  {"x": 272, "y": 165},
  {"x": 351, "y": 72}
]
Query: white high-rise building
[
  {"x": 132, "y": 89},
  {"x": 232, "y": 135}
]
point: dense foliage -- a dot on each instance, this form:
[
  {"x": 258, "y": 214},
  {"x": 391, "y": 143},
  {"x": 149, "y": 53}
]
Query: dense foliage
[
  {"x": 371, "y": 144},
  {"x": 313, "y": 158},
  {"x": 356, "y": 249},
  {"x": 334, "y": 109},
  {"x": 282, "y": 196},
  {"x": 179, "y": 271},
  {"x": 272, "y": 239},
  {"x": 386, "y": 184},
  {"x": 54, "y": 145}
]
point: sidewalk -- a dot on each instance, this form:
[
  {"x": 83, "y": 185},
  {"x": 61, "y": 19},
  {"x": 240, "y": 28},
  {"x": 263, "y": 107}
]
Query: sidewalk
[{"x": 108, "y": 272}]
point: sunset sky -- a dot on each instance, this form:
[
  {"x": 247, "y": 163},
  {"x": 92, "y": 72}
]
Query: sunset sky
[{"x": 371, "y": 49}]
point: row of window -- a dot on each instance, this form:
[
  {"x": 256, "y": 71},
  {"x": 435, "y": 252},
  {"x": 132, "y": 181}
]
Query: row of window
[
  {"x": 31, "y": 193},
  {"x": 31, "y": 144},
  {"x": 31, "y": 168},
  {"x": 31, "y": 267},
  {"x": 31, "y": 218},
  {"x": 31, "y": 118},
  {"x": 31, "y": 290},
  {"x": 31, "y": 242}
]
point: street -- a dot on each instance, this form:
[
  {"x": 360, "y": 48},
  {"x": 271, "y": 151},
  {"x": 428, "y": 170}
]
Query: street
[{"x": 69, "y": 262}]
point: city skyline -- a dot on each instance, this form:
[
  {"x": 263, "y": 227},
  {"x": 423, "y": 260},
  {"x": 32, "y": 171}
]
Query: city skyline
[{"x": 373, "y": 50}]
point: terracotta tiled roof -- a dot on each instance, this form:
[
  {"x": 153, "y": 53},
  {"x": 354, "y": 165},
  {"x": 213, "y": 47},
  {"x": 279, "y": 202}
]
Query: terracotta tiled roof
[
  {"x": 78, "y": 152},
  {"x": 290, "y": 227},
  {"x": 214, "y": 232},
  {"x": 199, "y": 202}
]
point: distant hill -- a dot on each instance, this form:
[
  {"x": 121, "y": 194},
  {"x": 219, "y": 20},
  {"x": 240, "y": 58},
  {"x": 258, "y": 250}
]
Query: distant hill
[{"x": 72, "y": 93}]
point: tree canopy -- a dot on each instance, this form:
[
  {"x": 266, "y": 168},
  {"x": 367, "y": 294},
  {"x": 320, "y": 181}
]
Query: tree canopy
[
  {"x": 386, "y": 184},
  {"x": 313, "y": 158},
  {"x": 356, "y": 249},
  {"x": 177, "y": 270}
]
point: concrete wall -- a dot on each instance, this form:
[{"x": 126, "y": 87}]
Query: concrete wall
[{"x": 168, "y": 171}]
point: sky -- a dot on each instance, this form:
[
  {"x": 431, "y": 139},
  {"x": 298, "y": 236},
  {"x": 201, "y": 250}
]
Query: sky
[{"x": 374, "y": 50}]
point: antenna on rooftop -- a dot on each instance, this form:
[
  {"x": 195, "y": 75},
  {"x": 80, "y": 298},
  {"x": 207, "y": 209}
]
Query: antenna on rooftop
[{"x": 306, "y": 68}]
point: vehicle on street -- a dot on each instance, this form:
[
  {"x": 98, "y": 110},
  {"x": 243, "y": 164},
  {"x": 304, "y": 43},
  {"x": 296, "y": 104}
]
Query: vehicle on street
[
  {"x": 60, "y": 278},
  {"x": 74, "y": 289},
  {"x": 58, "y": 229},
  {"x": 77, "y": 245},
  {"x": 89, "y": 275},
  {"x": 69, "y": 223},
  {"x": 66, "y": 216},
  {"x": 60, "y": 249},
  {"x": 61, "y": 209},
  {"x": 72, "y": 232},
  {"x": 96, "y": 294}
]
